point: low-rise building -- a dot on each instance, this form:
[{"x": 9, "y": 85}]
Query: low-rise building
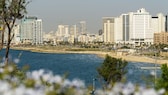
[{"x": 161, "y": 38}]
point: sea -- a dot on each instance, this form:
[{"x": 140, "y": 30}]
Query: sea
[{"x": 81, "y": 66}]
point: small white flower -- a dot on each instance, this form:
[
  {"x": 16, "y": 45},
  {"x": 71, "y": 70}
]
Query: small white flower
[
  {"x": 117, "y": 87},
  {"x": 149, "y": 92},
  {"x": 78, "y": 83},
  {"x": 46, "y": 77},
  {"x": 1, "y": 70},
  {"x": 128, "y": 89},
  {"x": 4, "y": 86},
  {"x": 161, "y": 91},
  {"x": 20, "y": 90},
  {"x": 66, "y": 83},
  {"x": 57, "y": 79},
  {"x": 36, "y": 75}
]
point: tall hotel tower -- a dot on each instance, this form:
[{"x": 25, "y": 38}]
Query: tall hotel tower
[
  {"x": 108, "y": 29},
  {"x": 140, "y": 24},
  {"x": 31, "y": 30}
]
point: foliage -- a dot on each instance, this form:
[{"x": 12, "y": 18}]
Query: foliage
[
  {"x": 40, "y": 82},
  {"x": 125, "y": 47},
  {"x": 163, "y": 81},
  {"x": 112, "y": 69},
  {"x": 10, "y": 11}
]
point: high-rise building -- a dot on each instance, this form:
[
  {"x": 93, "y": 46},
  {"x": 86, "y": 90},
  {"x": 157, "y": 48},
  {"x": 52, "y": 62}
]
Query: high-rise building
[
  {"x": 126, "y": 27},
  {"x": 141, "y": 30},
  {"x": 63, "y": 31},
  {"x": 82, "y": 27},
  {"x": 74, "y": 30},
  {"x": 161, "y": 22},
  {"x": 37, "y": 34},
  {"x": 31, "y": 30},
  {"x": 60, "y": 31},
  {"x": 73, "y": 33},
  {"x": 108, "y": 29},
  {"x": 66, "y": 30},
  {"x": 118, "y": 30},
  {"x": 155, "y": 24}
]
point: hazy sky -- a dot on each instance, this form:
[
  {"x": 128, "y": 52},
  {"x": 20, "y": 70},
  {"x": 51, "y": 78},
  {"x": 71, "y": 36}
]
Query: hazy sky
[{"x": 54, "y": 12}]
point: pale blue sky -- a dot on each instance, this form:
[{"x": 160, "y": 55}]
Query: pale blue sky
[{"x": 54, "y": 12}]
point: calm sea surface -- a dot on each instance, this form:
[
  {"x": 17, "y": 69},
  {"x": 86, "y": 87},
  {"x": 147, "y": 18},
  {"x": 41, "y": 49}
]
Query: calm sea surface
[{"x": 82, "y": 66}]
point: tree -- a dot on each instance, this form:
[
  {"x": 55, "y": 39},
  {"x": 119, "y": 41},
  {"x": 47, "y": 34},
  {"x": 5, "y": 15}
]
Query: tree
[
  {"x": 112, "y": 69},
  {"x": 11, "y": 10},
  {"x": 163, "y": 81}
]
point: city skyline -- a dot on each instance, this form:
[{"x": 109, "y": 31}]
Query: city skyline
[{"x": 57, "y": 12}]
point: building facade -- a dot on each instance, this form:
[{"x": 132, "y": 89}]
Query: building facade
[
  {"x": 108, "y": 29},
  {"x": 63, "y": 32},
  {"x": 141, "y": 27},
  {"x": 118, "y": 35},
  {"x": 37, "y": 32},
  {"x": 82, "y": 27},
  {"x": 31, "y": 30},
  {"x": 161, "y": 38},
  {"x": 126, "y": 27},
  {"x": 133, "y": 28}
]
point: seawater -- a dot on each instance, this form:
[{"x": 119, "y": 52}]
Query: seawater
[{"x": 80, "y": 66}]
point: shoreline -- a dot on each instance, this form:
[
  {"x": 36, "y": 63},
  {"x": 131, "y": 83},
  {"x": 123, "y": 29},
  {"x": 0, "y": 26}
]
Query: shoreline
[{"x": 102, "y": 54}]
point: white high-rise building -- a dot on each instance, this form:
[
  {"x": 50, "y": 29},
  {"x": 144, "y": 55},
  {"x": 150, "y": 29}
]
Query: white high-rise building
[
  {"x": 161, "y": 22},
  {"x": 158, "y": 23},
  {"x": 74, "y": 30},
  {"x": 66, "y": 29},
  {"x": 118, "y": 35},
  {"x": 108, "y": 29},
  {"x": 37, "y": 34},
  {"x": 31, "y": 30},
  {"x": 155, "y": 24},
  {"x": 73, "y": 33},
  {"x": 141, "y": 30},
  {"x": 63, "y": 31},
  {"x": 60, "y": 31},
  {"x": 82, "y": 27}
]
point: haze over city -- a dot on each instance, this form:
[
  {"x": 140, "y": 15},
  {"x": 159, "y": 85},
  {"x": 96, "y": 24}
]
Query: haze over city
[
  {"x": 91, "y": 47},
  {"x": 55, "y": 12}
]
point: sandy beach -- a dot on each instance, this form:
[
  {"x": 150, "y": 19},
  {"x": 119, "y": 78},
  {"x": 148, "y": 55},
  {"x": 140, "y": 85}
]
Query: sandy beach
[{"x": 131, "y": 58}]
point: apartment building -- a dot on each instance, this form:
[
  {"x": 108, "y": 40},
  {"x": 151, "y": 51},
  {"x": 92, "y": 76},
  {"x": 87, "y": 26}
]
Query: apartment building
[
  {"x": 108, "y": 29},
  {"x": 31, "y": 30},
  {"x": 161, "y": 38}
]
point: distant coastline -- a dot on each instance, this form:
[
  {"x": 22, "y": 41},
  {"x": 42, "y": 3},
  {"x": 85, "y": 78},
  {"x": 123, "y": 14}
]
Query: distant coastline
[{"x": 131, "y": 58}]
